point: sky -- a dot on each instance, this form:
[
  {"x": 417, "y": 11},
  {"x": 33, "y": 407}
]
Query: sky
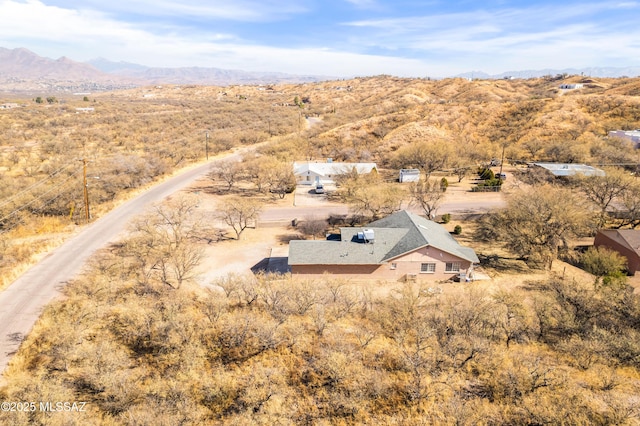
[{"x": 338, "y": 38}]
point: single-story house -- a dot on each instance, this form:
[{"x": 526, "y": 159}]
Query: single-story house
[
  {"x": 571, "y": 86},
  {"x": 570, "y": 169},
  {"x": 400, "y": 246},
  {"x": 409, "y": 175},
  {"x": 311, "y": 173},
  {"x": 624, "y": 241}
]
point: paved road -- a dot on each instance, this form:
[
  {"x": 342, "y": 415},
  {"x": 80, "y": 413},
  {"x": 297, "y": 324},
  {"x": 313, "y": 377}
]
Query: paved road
[
  {"x": 22, "y": 302},
  {"x": 308, "y": 205}
]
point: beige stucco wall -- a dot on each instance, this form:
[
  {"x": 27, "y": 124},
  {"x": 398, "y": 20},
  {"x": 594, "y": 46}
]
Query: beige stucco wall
[{"x": 407, "y": 264}]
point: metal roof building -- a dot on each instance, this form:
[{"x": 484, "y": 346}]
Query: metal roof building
[
  {"x": 310, "y": 172},
  {"x": 570, "y": 169}
]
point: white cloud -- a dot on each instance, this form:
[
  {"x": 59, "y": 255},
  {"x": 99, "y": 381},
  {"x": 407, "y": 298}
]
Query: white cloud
[
  {"x": 237, "y": 10},
  {"x": 362, "y": 3},
  {"x": 440, "y": 45},
  {"x": 52, "y": 31},
  {"x": 534, "y": 37}
]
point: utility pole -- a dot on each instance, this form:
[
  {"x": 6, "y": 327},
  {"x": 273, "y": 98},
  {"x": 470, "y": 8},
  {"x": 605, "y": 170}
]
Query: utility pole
[
  {"x": 206, "y": 144},
  {"x": 87, "y": 216},
  {"x": 501, "y": 161}
]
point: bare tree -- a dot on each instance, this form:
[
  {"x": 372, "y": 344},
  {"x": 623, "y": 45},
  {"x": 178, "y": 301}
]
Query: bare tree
[
  {"x": 427, "y": 156},
  {"x": 535, "y": 222},
  {"x": 229, "y": 171},
  {"x": 281, "y": 179},
  {"x": 427, "y": 194},
  {"x": 376, "y": 200},
  {"x": 313, "y": 226},
  {"x": 164, "y": 243},
  {"x": 603, "y": 190},
  {"x": 239, "y": 213},
  {"x": 630, "y": 199}
]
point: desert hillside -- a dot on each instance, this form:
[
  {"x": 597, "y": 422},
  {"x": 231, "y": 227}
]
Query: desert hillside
[{"x": 553, "y": 340}]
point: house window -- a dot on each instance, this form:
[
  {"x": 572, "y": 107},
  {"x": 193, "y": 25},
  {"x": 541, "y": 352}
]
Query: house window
[
  {"x": 452, "y": 267},
  {"x": 394, "y": 265},
  {"x": 427, "y": 268}
]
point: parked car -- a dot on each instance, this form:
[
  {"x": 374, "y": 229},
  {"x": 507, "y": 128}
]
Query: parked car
[
  {"x": 319, "y": 189},
  {"x": 501, "y": 176}
]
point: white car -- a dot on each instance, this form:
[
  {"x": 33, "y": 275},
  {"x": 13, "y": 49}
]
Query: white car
[{"x": 319, "y": 189}]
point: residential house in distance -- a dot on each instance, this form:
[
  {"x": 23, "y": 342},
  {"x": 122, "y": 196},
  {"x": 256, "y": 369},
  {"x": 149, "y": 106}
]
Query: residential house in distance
[
  {"x": 311, "y": 173},
  {"x": 409, "y": 175},
  {"x": 624, "y": 241},
  {"x": 571, "y": 86},
  {"x": 569, "y": 169},
  {"x": 402, "y": 246},
  {"x": 630, "y": 135}
]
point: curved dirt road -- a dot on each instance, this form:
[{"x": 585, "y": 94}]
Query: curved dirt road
[{"x": 22, "y": 302}]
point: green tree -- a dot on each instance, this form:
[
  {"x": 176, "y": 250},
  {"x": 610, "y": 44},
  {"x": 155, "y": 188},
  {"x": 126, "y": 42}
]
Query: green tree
[
  {"x": 444, "y": 184},
  {"x": 603, "y": 262}
]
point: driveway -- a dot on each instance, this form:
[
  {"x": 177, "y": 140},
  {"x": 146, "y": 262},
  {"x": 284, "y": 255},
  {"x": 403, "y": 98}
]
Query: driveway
[{"x": 304, "y": 204}]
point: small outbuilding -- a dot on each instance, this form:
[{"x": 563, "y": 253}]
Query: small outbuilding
[{"x": 409, "y": 175}]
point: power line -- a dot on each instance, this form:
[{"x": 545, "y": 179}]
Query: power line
[
  {"x": 34, "y": 185},
  {"x": 39, "y": 197}
]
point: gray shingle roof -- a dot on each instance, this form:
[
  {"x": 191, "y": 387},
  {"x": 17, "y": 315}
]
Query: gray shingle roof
[{"x": 395, "y": 235}]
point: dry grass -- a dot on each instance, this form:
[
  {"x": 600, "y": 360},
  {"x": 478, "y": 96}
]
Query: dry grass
[{"x": 512, "y": 350}]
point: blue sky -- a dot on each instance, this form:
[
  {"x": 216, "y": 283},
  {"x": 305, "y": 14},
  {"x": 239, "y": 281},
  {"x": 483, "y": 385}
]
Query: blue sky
[{"x": 340, "y": 38}]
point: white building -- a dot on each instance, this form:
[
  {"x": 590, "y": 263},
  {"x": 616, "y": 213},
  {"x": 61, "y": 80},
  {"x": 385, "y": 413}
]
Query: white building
[
  {"x": 310, "y": 173},
  {"x": 630, "y": 135},
  {"x": 572, "y": 86},
  {"x": 409, "y": 175},
  {"x": 570, "y": 169}
]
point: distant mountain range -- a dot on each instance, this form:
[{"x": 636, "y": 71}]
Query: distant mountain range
[
  {"x": 197, "y": 75},
  {"x": 600, "y": 72},
  {"x": 24, "y": 71}
]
